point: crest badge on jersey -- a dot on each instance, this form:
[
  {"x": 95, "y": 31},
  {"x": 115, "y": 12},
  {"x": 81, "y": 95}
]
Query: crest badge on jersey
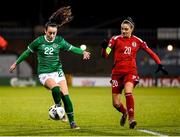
[
  {"x": 43, "y": 45},
  {"x": 55, "y": 46},
  {"x": 134, "y": 44}
]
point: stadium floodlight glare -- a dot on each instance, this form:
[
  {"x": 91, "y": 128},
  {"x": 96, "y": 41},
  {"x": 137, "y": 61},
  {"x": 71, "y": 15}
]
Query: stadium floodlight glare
[
  {"x": 83, "y": 47},
  {"x": 169, "y": 47}
]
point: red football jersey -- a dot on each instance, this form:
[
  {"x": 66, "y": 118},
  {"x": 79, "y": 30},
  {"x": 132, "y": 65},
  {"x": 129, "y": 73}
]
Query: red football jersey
[
  {"x": 125, "y": 50},
  {"x": 3, "y": 42}
]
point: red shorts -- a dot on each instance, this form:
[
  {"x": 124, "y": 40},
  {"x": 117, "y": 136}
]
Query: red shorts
[{"x": 118, "y": 81}]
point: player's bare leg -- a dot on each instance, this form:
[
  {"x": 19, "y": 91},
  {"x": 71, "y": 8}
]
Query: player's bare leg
[{"x": 120, "y": 107}]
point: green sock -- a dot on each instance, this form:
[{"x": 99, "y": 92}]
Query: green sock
[
  {"x": 57, "y": 95},
  {"x": 68, "y": 108}
]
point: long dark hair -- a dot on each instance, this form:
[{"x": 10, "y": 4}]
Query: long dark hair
[{"x": 60, "y": 17}]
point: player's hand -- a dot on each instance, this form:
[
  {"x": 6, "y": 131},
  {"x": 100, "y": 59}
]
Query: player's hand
[
  {"x": 104, "y": 43},
  {"x": 161, "y": 68},
  {"x": 12, "y": 68},
  {"x": 86, "y": 55}
]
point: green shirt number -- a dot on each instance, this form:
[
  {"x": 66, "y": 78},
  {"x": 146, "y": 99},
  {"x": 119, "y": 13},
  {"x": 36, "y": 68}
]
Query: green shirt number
[{"x": 48, "y": 51}]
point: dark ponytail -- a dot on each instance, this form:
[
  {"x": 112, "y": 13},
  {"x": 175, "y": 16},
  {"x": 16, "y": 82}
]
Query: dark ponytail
[{"x": 60, "y": 17}]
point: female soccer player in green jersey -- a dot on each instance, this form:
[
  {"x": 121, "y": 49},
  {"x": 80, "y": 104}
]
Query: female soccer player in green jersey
[{"x": 50, "y": 70}]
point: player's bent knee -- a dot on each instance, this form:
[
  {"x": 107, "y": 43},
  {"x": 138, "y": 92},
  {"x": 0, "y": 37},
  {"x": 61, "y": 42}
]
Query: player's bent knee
[{"x": 116, "y": 105}]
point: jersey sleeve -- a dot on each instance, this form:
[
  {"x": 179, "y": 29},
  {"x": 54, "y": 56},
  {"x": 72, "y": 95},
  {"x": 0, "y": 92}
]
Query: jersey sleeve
[
  {"x": 3, "y": 42},
  {"x": 150, "y": 52},
  {"x": 33, "y": 45},
  {"x": 112, "y": 42},
  {"x": 65, "y": 45},
  {"x": 76, "y": 50},
  {"x": 31, "y": 48},
  {"x": 23, "y": 56},
  {"x": 68, "y": 47},
  {"x": 105, "y": 52}
]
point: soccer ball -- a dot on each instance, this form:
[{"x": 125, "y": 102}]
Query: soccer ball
[{"x": 56, "y": 113}]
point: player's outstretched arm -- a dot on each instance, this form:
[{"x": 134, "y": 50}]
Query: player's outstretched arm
[
  {"x": 22, "y": 57},
  {"x": 105, "y": 51},
  {"x": 12, "y": 67},
  {"x": 76, "y": 50},
  {"x": 86, "y": 55},
  {"x": 104, "y": 43},
  {"x": 162, "y": 69},
  {"x": 157, "y": 60}
]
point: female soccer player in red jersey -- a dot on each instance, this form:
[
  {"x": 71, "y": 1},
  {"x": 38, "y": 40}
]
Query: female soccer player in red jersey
[{"x": 124, "y": 71}]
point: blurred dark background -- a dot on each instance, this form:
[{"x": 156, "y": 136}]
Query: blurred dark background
[{"x": 90, "y": 13}]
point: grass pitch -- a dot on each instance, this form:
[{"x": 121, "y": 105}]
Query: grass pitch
[{"x": 24, "y": 112}]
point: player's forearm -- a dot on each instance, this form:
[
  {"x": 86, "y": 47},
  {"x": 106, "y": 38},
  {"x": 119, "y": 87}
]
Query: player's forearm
[
  {"x": 154, "y": 56},
  {"x": 105, "y": 52},
  {"x": 76, "y": 50},
  {"x": 23, "y": 56}
]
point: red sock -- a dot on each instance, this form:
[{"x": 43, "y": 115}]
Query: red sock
[
  {"x": 121, "y": 108},
  {"x": 130, "y": 105}
]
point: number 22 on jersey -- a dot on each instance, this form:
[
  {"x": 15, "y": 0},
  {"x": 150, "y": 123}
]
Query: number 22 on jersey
[{"x": 48, "y": 50}]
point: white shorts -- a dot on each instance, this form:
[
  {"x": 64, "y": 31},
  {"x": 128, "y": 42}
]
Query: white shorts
[{"x": 54, "y": 75}]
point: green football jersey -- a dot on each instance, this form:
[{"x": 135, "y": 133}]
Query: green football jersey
[{"x": 48, "y": 53}]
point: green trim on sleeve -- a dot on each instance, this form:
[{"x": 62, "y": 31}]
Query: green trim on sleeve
[
  {"x": 108, "y": 50},
  {"x": 23, "y": 56},
  {"x": 76, "y": 50}
]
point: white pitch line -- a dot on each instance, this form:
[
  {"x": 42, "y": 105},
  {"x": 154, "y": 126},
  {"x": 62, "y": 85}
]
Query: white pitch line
[{"x": 151, "y": 132}]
